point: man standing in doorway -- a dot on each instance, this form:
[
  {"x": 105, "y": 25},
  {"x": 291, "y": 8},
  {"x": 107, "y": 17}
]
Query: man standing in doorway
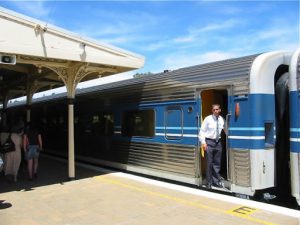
[{"x": 210, "y": 137}]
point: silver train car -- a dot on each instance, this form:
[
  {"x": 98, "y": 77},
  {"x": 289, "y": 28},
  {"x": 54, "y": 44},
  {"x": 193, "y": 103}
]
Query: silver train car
[{"x": 150, "y": 125}]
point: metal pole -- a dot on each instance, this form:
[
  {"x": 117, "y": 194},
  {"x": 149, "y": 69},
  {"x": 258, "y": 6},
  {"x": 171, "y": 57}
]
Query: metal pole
[
  {"x": 28, "y": 113},
  {"x": 71, "y": 155}
]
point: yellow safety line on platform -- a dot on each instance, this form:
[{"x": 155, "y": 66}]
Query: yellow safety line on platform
[{"x": 183, "y": 201}]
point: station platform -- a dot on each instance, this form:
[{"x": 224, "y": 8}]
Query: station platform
[{"x": 101, "y": 196}]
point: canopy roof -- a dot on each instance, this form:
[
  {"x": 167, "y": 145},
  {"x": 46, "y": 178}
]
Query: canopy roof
[{"x": 35, "y": 52}]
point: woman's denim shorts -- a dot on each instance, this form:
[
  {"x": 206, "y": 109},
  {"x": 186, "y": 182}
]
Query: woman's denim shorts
[{"x": 32, "y": 152}]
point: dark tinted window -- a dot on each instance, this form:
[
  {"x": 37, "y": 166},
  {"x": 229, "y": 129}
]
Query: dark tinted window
[
  {"x": 98, "y": 124},
  {"x": 138, "y": 123},
  {"x": 107, "y": 122},
  {"x": 269, "y": 135}
]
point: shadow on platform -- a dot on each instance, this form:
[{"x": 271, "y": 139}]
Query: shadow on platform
[{"x": 51, "y": 171}]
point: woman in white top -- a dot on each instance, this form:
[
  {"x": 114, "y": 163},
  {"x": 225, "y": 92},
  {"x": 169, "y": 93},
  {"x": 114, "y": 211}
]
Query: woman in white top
[{"x": 13, "y": 159}]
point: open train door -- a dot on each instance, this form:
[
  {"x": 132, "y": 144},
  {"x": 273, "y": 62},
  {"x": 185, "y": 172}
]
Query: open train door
[
  {"x": 207, "y": 98},
  {"x": 282, "y": 157}
]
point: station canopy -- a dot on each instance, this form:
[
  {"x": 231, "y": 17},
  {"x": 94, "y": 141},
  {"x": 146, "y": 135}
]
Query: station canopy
[{"x": 36, "y": 56}]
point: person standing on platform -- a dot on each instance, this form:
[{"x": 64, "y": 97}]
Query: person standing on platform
[
  {"x": 4, "y": 134},
  {"x": 210, "y": 137},
  {"x": 13, "y": 158},
  {"x": 32, "y": 143}
]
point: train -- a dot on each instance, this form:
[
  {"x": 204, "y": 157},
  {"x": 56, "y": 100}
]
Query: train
[
  {"x": 150, "y": 124},
  {"x": 294, "y": 99}
]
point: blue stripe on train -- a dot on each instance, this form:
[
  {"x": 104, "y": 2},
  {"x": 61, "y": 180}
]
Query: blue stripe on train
[
  {"x": 295, "y": 129},
  {"x": 295, "y": 134},
  {"x": 295, "y": 109},
  {"x": 295, "y": 146},
  {"x": 247, "y": 144},
  {"x": 247, "y": 130},
  {"x": 247, "y": 133},
  {"x": 295, "y": 121},
  {"x": 251, "y": 122},
  {"x": 160, "y": 139},
  {"x": 177, "y": 128},
  {"x": 255, "y": 110}
]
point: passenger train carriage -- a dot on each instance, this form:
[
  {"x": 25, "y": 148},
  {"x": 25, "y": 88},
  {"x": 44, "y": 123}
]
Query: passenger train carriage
[
  {"x": 150, "y": 125},
  {"x": 294, "y": 93}
]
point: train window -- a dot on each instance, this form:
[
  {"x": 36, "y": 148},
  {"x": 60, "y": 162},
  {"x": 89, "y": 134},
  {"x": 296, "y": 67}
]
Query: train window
[
  {"x": 100, "y": 124},
  {"x": 108, "y": 119},
  {"x": 138, "y": 123},
  {"x": 96, "y": 119},
  {"x": 54, "y": 121},
  {"x": 174, "y": 123},
  {"x": 96, "y": 125},
  {"x": 269, "y": 134},
  {"x": 87, "y": 121},
  {"x": 61, "y": 120}
]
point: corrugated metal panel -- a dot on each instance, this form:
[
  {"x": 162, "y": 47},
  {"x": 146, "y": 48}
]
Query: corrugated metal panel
[
  {"x": 181, "y": 83},
  {"x": 241, "y": 88},
  {"x": 40, "y": 100},
  {"x": 165, "y": 158},
  {"x": 174, "y": 85},
  {"x": 240, "y": 170},
  {"x": 298, "y": 74},
  {"x": 151, "y": 96}
]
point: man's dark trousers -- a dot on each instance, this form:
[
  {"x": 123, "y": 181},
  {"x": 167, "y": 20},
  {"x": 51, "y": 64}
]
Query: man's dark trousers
[{"x": 213, "y": 160}]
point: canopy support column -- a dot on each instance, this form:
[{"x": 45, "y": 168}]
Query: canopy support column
[
  {"x": 32, "y": 87},
  {"x": 28, "y": 113},
  {"x": 71, "y": 76},
  {"x": 71, "y": 149}
]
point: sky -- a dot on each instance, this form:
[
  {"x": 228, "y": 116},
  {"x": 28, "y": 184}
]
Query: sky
[{"x": 175, "y": 34}]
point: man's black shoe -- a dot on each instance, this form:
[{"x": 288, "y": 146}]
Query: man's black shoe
[
  {"x": 219, "y": 185},
  {"x": 221, "y": 178},
  {"x": 208, "y": 186}
]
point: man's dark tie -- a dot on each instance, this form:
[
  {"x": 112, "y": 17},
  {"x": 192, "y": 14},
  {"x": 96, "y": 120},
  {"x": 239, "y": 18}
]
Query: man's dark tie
[{"x": 217, "y": 131}]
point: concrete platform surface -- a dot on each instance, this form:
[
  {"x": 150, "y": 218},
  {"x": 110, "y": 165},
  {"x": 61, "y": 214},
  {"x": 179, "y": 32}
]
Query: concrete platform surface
[{"x": 114, "y": 198}]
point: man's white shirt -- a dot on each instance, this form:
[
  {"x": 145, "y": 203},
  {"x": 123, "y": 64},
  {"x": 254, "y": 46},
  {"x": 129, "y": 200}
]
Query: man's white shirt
[{"x": 209, "y": 128}]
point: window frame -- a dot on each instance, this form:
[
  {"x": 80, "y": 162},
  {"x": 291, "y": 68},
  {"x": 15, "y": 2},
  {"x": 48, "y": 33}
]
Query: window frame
[{"x": 168, "y": 136}]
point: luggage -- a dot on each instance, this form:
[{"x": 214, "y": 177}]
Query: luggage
[{"x": 7, "y": 146}]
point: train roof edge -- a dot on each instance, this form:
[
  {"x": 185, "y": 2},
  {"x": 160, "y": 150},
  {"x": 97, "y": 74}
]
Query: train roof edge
[{"x": 241, "y": 66}]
